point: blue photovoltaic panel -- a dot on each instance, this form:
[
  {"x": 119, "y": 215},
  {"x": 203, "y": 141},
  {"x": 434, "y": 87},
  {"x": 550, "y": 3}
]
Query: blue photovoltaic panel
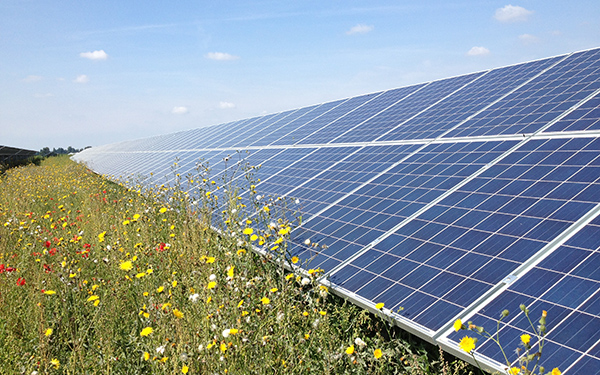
[
  {"x": 567, "y": 285},
  {"x": 466, "y": 102},
  {"x": 540, "y": 101},
  {"x": 333, "y": 114},
  {"x": 360, "y": 114},
  {"x": 405, "y": 109},
  {"x": 339, "y": 179},
  {"x": 585, "y": 117},
  {"x": 378, "y": 206},
  {"x": 251, "y": 131},
  {"x": 443, "y": 260}
]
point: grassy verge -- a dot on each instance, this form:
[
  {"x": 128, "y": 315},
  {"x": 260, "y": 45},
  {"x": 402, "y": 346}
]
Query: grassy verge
[{"x": 99, "y": 279}]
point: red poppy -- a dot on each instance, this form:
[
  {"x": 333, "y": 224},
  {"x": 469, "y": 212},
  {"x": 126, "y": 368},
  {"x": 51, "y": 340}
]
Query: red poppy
[
  {"x": 47, "y": 244},
  {"x": 20, "y": 281}
]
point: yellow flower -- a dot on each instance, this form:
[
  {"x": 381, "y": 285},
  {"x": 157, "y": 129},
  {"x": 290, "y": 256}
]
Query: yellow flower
[
  {"x": 184, "y": 369},
  {"x": 377, "y": 353},
  {"x": 49, "y": 292},
  {"x": 174, "y": 283},
  {"x": 273, "y": 290},
  {"x": 323, "y": 313},
  {"x": 160, "y": 289},
  {"x": 210, "y": 260},
  {"x": 350, "y": 350},
  {"x": 240, "y": 304},
  {"x": 380, "y": 305},
  {"x": 146, "y": 331},
  {"x": 265, "y": 301},
  {"x": 525, "y": 339},
  {"x": 248, "y": 231},
  {"x": 254, "y": 237},
  {"x": 126, "y": 266},
  {"x": 295, "y": 260},
  {"x": 457, "y": 325},
  {"x": 140, "y": 275},
  {"x": 178, "y": 313},
  {"x": 555, "y": 371},
  {"x": 211, "y": 285},
  {"x": 146, "y": 356},
  {"x": 514, "y": 370},
  {"x": 305, "y": 313},
  {"x": 223, "y": 347},
  {"x": 230, "y": 271},
  {"x": 241, "y": 252},
  {"x": 55, "y": 362},
  {"x": 101, "y": 237},
  {"x": 467, "y": 344},
  {"x": 48, "y": 332},
  {"x": 162, "y": 210},
  {"x": 307, "y": 336},
  {"x": 92, "y": 298}
]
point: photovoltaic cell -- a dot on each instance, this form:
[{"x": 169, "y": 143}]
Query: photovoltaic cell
[
  {"x": 379, "y": 205},
  {"x": 443, "y": 260},
  {"x": 585, "y": 117},
  {"x": 540, "y": 101}
]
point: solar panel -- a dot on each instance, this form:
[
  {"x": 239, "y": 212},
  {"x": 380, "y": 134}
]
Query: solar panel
[{"x": 456, "y": 198}]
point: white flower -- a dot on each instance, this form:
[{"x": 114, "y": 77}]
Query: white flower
[
  {"x": 316, "y": 323},
  {"x": 194, "y": 297},
  {"x": 307, "y": 241},
  {"x": 233, "y": 211},
  {"x": 359, "y": 342},
  {"x": 305, "y": 281},
  {"x": 212, "y": 277},
  {"x": 160, "y": 349},
  {"x": 200, "y": 347},
  {"x": 183, "y": 356},
  {"x": 226, "y": 333},
  {"x": 258, "y": 197},
  {"x": 297, "y": 201},
  {"x": 280, "y": 316}
]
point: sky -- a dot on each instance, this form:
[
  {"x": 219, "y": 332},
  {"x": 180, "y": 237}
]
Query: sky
[{"x": 87, "y": 73}]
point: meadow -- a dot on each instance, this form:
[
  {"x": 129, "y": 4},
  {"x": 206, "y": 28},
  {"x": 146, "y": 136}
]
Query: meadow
[{"x": 99, "y": 278}]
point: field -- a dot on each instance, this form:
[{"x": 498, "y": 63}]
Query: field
[{"x": 96, "y": 278}]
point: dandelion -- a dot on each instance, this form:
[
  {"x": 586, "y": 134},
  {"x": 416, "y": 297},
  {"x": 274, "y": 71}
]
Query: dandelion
[
  {"x": 525, "y": 339},
  {"x": 146, "y": 331},
  {"x": 160, "y": 289},
  {"x": 467, "y": 344},
  {"x": 162, "y": 210},
  {"x": 295, "y": 259},
  {"x": 350, "y": 350},
  {"x": 55, "y": 362},
  {"x": 265, "y": 301},
  {"x": 48, "y": 332},
  {"x": 457, "y": 325},
  {"x": 379, "y": 306},
  {"x": 555, "y": 371},
  {"x": 514, "y": 370},
  {"x": 49, "y": 292},
  {"x": 230, "y": 272},
  {"x": 248, "y": 231},
  {"x": 146, "y": 356},
  {"x": 211, "y": 285},
  {"x": 184, "y": 369},
  {"x": 126, "y": 266},
  {"x": 377, "y": 353},
  {"x": 273, "y": 290},
  {"x": 177, "y": 313}
]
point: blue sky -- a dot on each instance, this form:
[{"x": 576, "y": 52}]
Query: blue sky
[{"x": 81, "y": 73}]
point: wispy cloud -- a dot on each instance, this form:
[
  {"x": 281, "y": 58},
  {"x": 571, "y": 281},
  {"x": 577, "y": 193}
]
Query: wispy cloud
[
  {"x": 512, "y": 13},
  {"x": 528, "y": 39},
  {"x": 226, "y": 105},
  {"x": 221, "y": 56},
  {"x": 82, "y": 78},
  {"x": 95, "y": 55},
  {"x": 478, "y": 51},
  {"x": 32, "y": 78},
  {"x": 360, "y": 29},
  {"x": 180, "y": 110}
]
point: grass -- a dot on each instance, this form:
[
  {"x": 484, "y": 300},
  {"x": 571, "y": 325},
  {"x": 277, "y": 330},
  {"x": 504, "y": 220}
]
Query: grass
[{"x": 96, "y": 278}]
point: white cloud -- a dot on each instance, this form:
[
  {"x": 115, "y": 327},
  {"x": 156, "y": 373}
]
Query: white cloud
[
  {"x": 528, "y": 39},
  {"x": 221, "y": 56},
  {"x": 82, "y": 78},
  {"x": 226, "y": 105},
  {"x": 512, "y": 13},
  {"x": 360, "y": 29},
  {"x": 180, "y": 110},
  {"x": 96, "y": 55},
  {"x": 32, "y": 78},
  {"x": 478, "y": 51}
]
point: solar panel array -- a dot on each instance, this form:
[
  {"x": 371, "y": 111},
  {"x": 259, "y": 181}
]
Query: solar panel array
[{"x": 457, "y": 198}]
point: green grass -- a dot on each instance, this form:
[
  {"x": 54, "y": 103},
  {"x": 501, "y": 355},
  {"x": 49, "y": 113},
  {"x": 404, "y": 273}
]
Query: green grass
[{"x": 93, "y": 265}]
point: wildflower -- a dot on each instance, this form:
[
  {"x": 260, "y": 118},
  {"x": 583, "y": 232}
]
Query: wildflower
[
  {"x": 160, "y": 289},
  {"x": 212, "y": 277},
  {"x": 358, "y": 341},
  {"x": 265, "y": 301},
  {"x": 295, "y": 259},
  {"x": 457, "y": 325},
  {"x": 248, "y": 231},
  {"x": 184, "y": 369},
  {"x": 126, "y": 266},
  {"x": 49, "y": 292},
  {"x": 555, "y": 371},
  {"x": 377, "y": 353},
  {"x": 162, "y": 210},
  {"x": 223, "y": 347},
  {"x": 305, "y": 313},
  {"x": 241, "y": 252},
  {"x": 379, "y": 306},
  {"x": 467, "y": 344},
  {"x": 305, "y": 281},
  {"x": 101, "y": 237},
  {"x": 146, "y": 356},
  {"x": 230, "y": 272},
  {"x": 140, "y": 275},
  {"x": 323, "y": 313},
  {"x": 514, "y": 370},
  {"x": 160, "y": 350},
  {"x": 273, "y": 290},
  {"x": 174, "y": 283},
  {"x": 177, "y": 313},
  {"x": 350, "y": 350},
  {"x": 194, "y": 297},
  {"x": 20, "y": 281},
  {"x": 92, "y": 298},
  {"x": 211, "y": 285},
  {"x": 525, "y": 339},
  {"x": 55, "y": 362},
  {"x": 48, "y": 332},
  {"x": 146, "y": 331}
]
